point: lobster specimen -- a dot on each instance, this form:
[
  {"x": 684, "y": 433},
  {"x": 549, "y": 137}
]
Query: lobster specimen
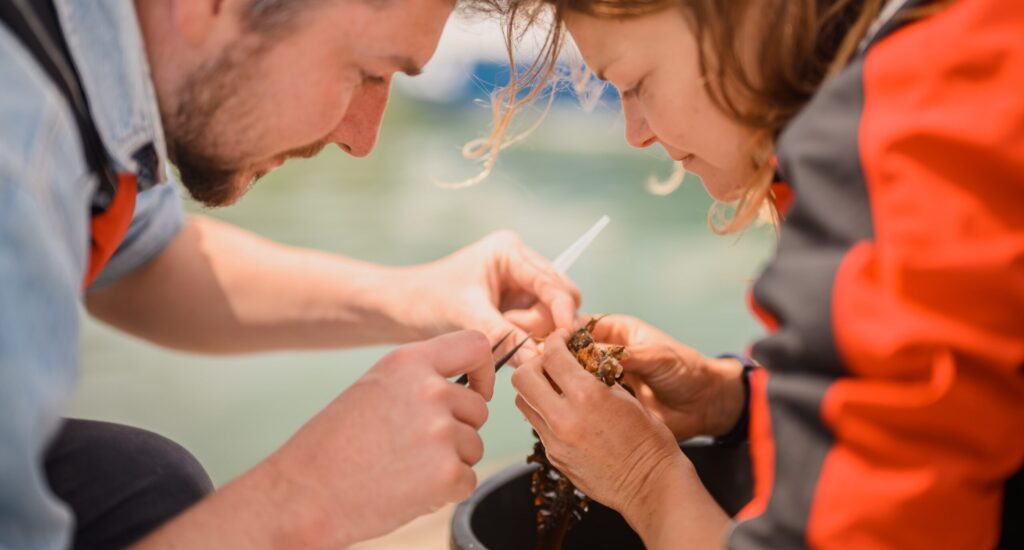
[{"x": 559, "y": 503}]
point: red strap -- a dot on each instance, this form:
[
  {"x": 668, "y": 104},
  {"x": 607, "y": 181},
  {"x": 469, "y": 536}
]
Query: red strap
[{"x": 110, "y": 227}]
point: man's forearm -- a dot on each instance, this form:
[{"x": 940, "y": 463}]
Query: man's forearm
[
  {"x": 258, "y": 511},
  {"x": 220, "y": 289}
]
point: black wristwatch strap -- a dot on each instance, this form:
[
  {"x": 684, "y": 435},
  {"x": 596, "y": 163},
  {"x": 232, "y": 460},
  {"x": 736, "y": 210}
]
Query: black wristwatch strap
[{"x": 740, "y": 432}]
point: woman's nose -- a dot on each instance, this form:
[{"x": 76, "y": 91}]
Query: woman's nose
[{"x": 638, "y": 133}]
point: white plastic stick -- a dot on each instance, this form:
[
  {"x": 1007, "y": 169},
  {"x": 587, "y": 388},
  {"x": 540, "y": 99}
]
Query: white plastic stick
[{"x": 565, "y": 260}]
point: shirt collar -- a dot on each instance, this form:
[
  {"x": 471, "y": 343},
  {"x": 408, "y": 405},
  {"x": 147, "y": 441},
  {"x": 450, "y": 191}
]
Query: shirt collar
[{"x": 106, "y": 45}]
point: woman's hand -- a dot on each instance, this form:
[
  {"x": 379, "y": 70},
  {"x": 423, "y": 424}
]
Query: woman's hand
[
  {"x": 613, "y": 449},
  {"x": 690, "y": 393},
  {"x": 599, "y": 436}
]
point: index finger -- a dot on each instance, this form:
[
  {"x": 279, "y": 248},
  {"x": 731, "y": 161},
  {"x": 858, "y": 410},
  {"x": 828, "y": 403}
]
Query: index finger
[
  {"x": 464, "y": 352},
  {"x": 554, "y": 290},
  {"x": 561, "y": 365}
]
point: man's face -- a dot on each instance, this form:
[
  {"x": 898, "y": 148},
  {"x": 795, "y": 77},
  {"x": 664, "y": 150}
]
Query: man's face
[{"x": 253, "y": 97}]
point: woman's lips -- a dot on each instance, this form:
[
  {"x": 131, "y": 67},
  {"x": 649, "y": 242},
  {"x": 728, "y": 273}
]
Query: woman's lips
[{"x": 685, "y": 160}]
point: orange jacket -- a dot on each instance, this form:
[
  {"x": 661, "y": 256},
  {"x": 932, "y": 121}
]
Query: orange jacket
[{"x": 891, "y": 412}]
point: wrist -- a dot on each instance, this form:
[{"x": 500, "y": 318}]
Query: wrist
[
  {"x": 300, "y": 517},
  {"x": 728, "y": 398},
  {"x": 400, "y": 299},
  {"x": 677, "y": 508},
  {"x": 386, "y": 303},
  {"x": 653, "y": 506}
]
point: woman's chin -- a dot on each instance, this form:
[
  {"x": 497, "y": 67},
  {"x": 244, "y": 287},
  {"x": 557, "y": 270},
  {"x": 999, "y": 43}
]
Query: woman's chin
[{"x": 716, "y": 191}]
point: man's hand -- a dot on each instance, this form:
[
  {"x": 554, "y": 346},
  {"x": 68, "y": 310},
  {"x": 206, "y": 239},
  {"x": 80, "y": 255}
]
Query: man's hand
[
  {"x": 486, "y": 286},
  {"x": 692, "y": 394},
  {"x": 399, "y": 443}
]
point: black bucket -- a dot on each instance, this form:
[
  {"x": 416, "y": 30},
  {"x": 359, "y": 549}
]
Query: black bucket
[{"x": 500, "y": 514}]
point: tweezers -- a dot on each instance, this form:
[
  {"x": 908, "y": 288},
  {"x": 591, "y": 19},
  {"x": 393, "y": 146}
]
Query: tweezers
[{"x": 464, "y": 379}]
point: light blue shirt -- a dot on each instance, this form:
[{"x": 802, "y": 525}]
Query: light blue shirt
[{"x": 45, "y": 192}]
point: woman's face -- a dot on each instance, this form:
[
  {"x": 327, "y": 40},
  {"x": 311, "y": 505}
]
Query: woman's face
[{"x": 653, "y": 61}]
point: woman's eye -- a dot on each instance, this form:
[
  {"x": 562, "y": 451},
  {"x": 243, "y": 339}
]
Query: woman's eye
[{"x": 634, "y": 91}]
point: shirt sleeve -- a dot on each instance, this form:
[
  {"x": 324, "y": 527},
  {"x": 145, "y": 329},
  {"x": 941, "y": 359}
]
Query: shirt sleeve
[
  {"x": 159, "y": 217},
  {"x": 39, "y": 286}
]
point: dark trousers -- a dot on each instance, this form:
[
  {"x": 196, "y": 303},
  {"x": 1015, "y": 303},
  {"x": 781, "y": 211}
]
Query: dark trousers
[{"x": 121, "y": 482}]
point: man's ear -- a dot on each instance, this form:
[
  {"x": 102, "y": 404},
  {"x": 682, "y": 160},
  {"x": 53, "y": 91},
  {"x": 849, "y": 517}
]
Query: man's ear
[{"x": 196, "y": 19}]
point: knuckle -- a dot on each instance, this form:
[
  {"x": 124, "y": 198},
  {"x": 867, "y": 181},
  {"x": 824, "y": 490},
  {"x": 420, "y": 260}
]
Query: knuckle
[
  {"x": 463, "y": 487},
  {"x": 450, "y": 472},
  {"x": 525, "y": 372},
  {"x": 435, "y": 390},
  {"x": 476, "y": 450},
  {"x": 469, "y": 484},
  {"x": 547, "y": 286},
  {"x": 402, "y": 355},
  {"x": 478, "y": 343},
  {"x": 481, "y": 410},
  {"x": 580, "y": 396},
  {"x": 442, "y": 432}
]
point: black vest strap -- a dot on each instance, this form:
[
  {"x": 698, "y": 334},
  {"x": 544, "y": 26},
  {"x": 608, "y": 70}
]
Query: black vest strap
[{"x": 35, "y": 24}]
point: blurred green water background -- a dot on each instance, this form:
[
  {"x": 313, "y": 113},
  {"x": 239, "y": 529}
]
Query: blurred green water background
[{"x": 656, "y": 260}]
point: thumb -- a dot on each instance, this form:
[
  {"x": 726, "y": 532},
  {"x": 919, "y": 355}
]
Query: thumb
[
  {"x": 650, "y": 361},
  {"x": 462, "y": 352},
  {"x": 497, "y": 327},
  {"x": 536, "y": 320}
]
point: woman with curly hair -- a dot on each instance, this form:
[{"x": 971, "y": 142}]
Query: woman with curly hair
[{"x": 884, "y": 407}]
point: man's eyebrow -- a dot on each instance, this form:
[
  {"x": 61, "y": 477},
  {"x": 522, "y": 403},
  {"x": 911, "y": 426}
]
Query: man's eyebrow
[{"x": 407, "y": 65}]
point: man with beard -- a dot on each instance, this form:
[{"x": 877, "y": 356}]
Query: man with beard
[{"x": 97, "y": 97}]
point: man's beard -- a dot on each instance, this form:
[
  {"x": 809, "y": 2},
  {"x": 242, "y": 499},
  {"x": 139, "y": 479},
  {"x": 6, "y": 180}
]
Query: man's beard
[{"x": 198, "y": 129}]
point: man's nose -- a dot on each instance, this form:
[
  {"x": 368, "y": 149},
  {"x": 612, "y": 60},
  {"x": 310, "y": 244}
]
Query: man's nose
[
  {"x": 357, "y": 133},
  {"x": 638, "y": 133}
]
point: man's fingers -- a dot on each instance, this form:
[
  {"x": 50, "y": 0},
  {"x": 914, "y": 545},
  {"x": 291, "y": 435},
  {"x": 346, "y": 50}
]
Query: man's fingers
[
  {"x": 464, "y": 352},
  {"x": 468, "y": 444},
  {"x": 467, "y": 406},
  {"x": 462, "y": 483},
  {"x": 555, "y": 291},
  {"x": 549, "y": 268}
]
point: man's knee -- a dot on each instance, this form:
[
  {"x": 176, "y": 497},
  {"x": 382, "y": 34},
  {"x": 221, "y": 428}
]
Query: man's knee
[{"x": 121, "y": 482}]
